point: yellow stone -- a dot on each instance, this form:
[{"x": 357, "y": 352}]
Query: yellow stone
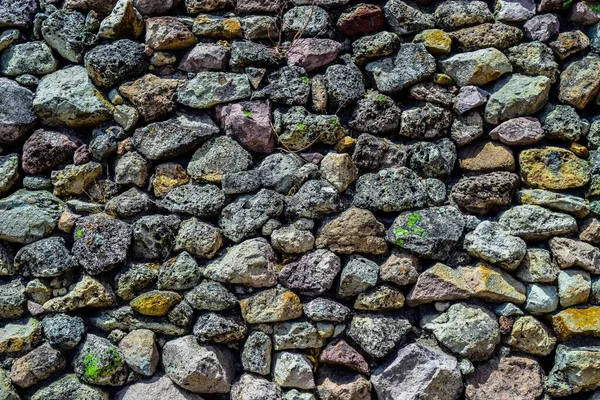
[
  {"x": 156, "y": 303},
  {"x": 18, "y": 336},
  {"x": 273, "y": 305},
  {"x": 492, "y": 284},
  {"x": 436, "y": 41},
  {"x": 217, "y": 27},
  {"x": 380, "y": 299},
  {"x": 442, "y": 79},
  {"x": 553, "y": 168},
  {"x": 168, "y": 176},
  {"x": 576, "y": 322},
  {"x": 345, "y": 144},
  {"x": 579, "y": 150}
]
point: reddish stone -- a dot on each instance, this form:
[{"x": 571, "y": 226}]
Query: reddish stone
[
  {"x": 313, "y": 53},
  {"x": 361, "y": 19},
  {"x": 47, "y": 149},
  {"x": 205, "y": 57},
  {"x": 82, "y": 155},
  {"x": 249, "y": 122},
  {"x": 341, "y": 353}
]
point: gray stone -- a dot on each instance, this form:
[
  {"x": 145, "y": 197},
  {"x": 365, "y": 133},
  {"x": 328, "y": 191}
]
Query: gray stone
[
  {"x": 379, "y": 44},
  {"x": 484, "y": 193},
  {"x": 289, "y": 85},
  {"x": 537, "y": 267},
  {"x": 251, "y": 387},
  {"x": 541, "y": 299},
  {"x": 575, "y": 369},
  {"x": 63, "y": 331},
  {"x": 452, "y": 15},
  {"x": 197, "y": 200},
  {"x": 518, "y": 131},
  {"x": 291, "y": 240},
  {"x": 9, "y": 172},
  {"x": 378, "y": 334},
  {"x": 17, "y": 13},
  {"x": 533, "y": 59},
  {"x": 345, "y": 84},
  {"x": 17, "y": 116},
  {"x": 45, "y": 258},
  {"x": 531, "y": 222},
  {"x": 198, "y": 368},
  {"x": 217, "y": 156},
  {"x": 476, "y": 68},
  {"x": 579, "y": 84},
  {"x": 417, "y": 370},
  {"x": 140, "y": 351},
  {"x": 469, "y": 97},
  {"x": 242, "y": 218},
  {"x": 292, "y": 370},
  {"x": 131, "y": 169},
  {"x": 372, "y": 154},
  {"x": 322, "y": 309},
  {"x": 123, "y": 21},
  {"x": 101, "y": 243},
  {"x": 211, "y": 88},
  {"x": 574, "y": 287},
  {"x": 211, "y": 296},
  {"x": 376, "y": 113},
  {"x": 573, "y": 253},
  {"x": 110, "y": 64},
  {"x": 198, "y": 238},
  {"x": 573, "y": 205},
  {"x": 516, "y": 95},
  {"x": 430, "y": 233},
  {"x": 69, "y": 387},
  {"x": 298, "y": 129},
  {"x": 491, "y": 243},
  {"x": 469, "y": 331},
  {"x": 542, "y": 27},
  {"x": 27, "y": 216},
  {"x": 68, "y": 97},
  {"x": 358, "y": 275},
  {"x": 296, "y": 335},
  {"x": 153, "y": 236},
  {"x": 205, "y": 56},
  {"x": 307, "y": 21},
  {"x": 314, "y": 199},
  {"x": 433, "y": 159},
  {"x": 12, "y": 299},
  {"x": 28, "y": 58},
  {"x": 412, "y": 64},
  {"x": 256, "y": 354},
  {"x": 211, "y": 327},
  {"x": 153, "y": 388},
  {"x": 427, "y": 122},
  {"x": 99, "y": 362},
  {"x": 248, "y": 263},
  {"x": 405, "y": 19},
  {"x": 129, "y": 204},
  {"x": 277, "y": 171},
  {"x": 65, "y": 31},
  {"x": 514, "y": 10}
]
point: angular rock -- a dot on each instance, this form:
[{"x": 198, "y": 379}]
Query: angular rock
[
  {"x": 256, "y": 354},
  {"x": 313, "y": 53},
  {"x": 101, "y": 243},
  {"x": 335, "y": 383},
  {"x": 292, "y": 370},
  {"x": 217, "y": 156},
  {"x": 271, "y": 305},
  {"x": 553, "y": 168},
  {"x": 514, "y": 11},
  {"x": 533, "y": 59},
  {"x": 306, "y": 21},
  {"x": 574, "y": 287},
  {"x": 217, "y": 328},
  {"x": 354, "y": 231},
  {"x": 542, "y": 27},
  {"x": 358, "y": 275},
  {"x": 469, "y": 331},
  {"x": 512, "y": 377},
  {"x": 45, "y": 258},
  {"x": 28, "y": 58},
  {"x": 405, "y": 19},
  {"x": 531, "y": 336},
  {"x": 111, "y": 64},
  {"x": 451, "y": 15},
  {"x": 73, "y": 180},
  {"x": 155, "y": 303},
  {"x": 575, "y": 369},
  {"x": 298, "y": 129},
  {"x": 537, "y": 266},
  {"x": 250, "y": 387},
  {"x": 250, "y": 123},
  {"x": 484, "y": 193},
  {"x": 579, "y": 84},
  {"x": 313, "y": 274},
  {"x": 314, "y": 199},
  {"x": 572, "y": 253},
  {"x": 36, "y": 366},
  {"x": 19, "y": 336},
  {"x": 66, "y": 32},
  {"x": 99, "y": 362},
  {"x": 418, "y": 370},
  {"x": 45, "y": 149},
  {"x": 124, "y": 21},
  {"x": 531, "y": 222},
  {"x": 412, "y": 64},
  {"x": 69, "y": 387},
  {"x": 68, "y": 97},
  {"x": 491, "y": 243},
  {"x": 198, "y": 368},
  {"x": 516, "y": 95},
  {"x": 27, "y": 216},
  {"x": 378, "y": 334},
  {"x": 63, "y": 331},
  {"x": 16, "y": 111},
  {"x": 211, "y": 88},
  {"x": 322, "y": 309},
  {"x": 248, "y": 263},
  {"x": 153, "y": 388},
  {"x": 87, "y": 292},
  {"x": 498, "y": 35},
  {"x": 477, "y": 67},
  {"x": 430, "y": 233},
  {"x": 574, "y": 322},
  {"x": 519, "y": 131},
  {"x": 152, "y": 96}
]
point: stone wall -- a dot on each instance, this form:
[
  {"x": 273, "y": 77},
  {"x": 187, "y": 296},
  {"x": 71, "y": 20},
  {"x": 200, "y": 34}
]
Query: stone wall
[{"x": 299, "y": 199}]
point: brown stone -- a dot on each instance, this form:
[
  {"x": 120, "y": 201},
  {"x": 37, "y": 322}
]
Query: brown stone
[
  {"x": 154, "y": 97},
  {"x": 36, "y": 366},
  {"x": 361, "y": 19},
  {"x": 354, "y": 231},
  {"x": 168, "y": 33},
  {"x": 400, "y": 269},
  {"x": 508, "y": 378},
  {"x": 486, "y": 157},
  {"x": 341, "y": 353}
]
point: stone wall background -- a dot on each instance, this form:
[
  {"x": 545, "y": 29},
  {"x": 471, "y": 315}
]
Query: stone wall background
[{"x": 299, "y": 199}]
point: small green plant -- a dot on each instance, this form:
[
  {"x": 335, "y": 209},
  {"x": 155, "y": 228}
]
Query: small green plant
[
  {"x": 305, "y": 79},
  {"x": 335, "y": 123},
  {"x": 301, "y": 127},
  {"x": 79, "y": 233},
  {"x": 411, "y": 229},
  {"x": 382, "y": 98},
  {"x": 247, "y": 113},
  {"x": 567, "y": 3},
  {"x": 93, "y": 368}
]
